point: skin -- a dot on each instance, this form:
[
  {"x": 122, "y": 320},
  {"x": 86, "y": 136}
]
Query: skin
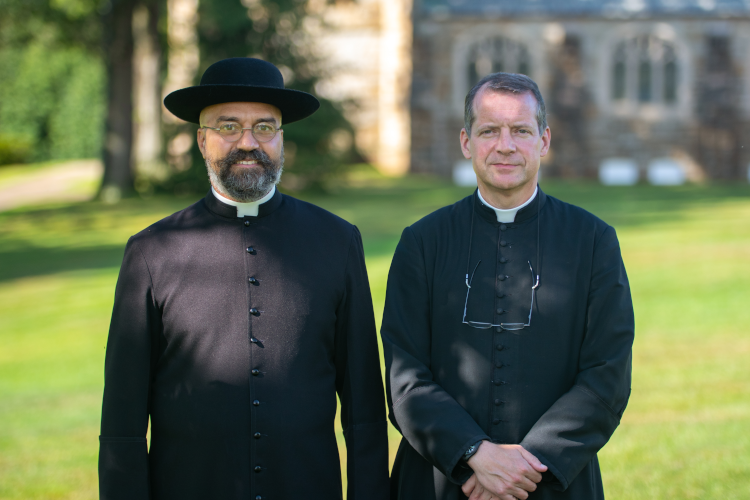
[
  {"x": 505, "y": 146},
  {"x": 502, "y": 471},
  {"x": 213, "y": 146}
]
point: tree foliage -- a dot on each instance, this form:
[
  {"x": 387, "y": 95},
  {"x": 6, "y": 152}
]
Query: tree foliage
[{"x": 51, "y": 80}]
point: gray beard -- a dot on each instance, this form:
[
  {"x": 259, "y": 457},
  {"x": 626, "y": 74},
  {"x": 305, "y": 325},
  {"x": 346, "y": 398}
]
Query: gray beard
[{"x": 245, "y": 185}]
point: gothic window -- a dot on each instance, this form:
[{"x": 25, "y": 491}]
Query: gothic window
[
  {"x": 645, "y": 71},
  {"x": 497, "y": 54}
]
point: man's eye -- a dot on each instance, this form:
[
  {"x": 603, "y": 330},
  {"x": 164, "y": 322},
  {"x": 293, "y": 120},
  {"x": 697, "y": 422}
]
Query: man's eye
[
  {"x": 486, "y": 132},
  {"x": 229, "y": 127},
  {"x": 264, "y": 128}
]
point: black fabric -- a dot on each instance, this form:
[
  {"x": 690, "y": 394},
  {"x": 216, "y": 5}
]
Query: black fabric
[
  {"x": 241, "y": 79},
  {"x": 558, "y": 388},
  {"x": 184, "y": 344}
]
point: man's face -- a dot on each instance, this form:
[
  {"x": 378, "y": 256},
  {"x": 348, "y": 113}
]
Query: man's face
[
  {"x": 504, "y": 144},
  {"x": 247, "y": 169}
]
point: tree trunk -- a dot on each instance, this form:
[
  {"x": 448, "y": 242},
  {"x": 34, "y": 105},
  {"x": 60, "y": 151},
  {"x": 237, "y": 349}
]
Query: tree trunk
[
  {"x": 118, "y": 48},
  {"x": 147, "y": 95}
]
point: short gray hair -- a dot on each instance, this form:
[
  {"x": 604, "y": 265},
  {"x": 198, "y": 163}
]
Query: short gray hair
[{"x": 510, "y": 83}]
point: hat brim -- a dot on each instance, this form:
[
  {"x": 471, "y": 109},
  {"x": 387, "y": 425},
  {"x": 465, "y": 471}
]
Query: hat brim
[{"x": 188, "y": 103}]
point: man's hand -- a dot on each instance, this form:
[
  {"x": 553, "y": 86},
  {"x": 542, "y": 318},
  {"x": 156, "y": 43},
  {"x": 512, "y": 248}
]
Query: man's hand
[
  {"x": 503, "y": 471},
  {"x": 476, "y": 491}
]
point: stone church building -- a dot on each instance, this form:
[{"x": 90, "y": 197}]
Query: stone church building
[{"x": 639, "y": 81}]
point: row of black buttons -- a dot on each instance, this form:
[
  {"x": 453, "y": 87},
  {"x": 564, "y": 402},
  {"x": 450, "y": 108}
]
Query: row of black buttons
[
  {"x": 255, "y": 312},
  {"x": 500, "y": 347}
]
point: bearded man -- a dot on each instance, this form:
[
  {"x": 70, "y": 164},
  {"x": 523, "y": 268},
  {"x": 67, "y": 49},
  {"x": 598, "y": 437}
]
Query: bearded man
[
  {"x": 508, "y": 325},
  {"x": 236, "y": 323}
]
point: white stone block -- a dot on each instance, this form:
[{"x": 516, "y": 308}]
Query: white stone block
[
  {"x": 618, "y": 172},
  {"x": 463, "y": 174},
  {"x": 666, "y": 172}
]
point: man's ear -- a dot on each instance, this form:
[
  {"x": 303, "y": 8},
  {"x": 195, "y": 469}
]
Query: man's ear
[
  {"x": 464, "y": 138},
  {"x": 201, "y": 138}
]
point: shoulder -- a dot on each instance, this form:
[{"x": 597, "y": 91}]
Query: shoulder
[
  {"x": 443, "y": 217},
  {"x": 307, "y": 212},
  {"x": 177, "y": 222},
  {"x": 567, "y": 213}
]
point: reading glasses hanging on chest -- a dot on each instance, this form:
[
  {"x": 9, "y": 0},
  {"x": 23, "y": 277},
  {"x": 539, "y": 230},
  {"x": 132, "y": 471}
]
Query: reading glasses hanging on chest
[{"x": 468, "y": 280}]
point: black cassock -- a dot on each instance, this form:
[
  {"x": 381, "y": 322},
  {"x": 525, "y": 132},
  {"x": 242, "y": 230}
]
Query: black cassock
[
  {"x": 234, "y": 336},
  {"x": 558, "y": 387}
]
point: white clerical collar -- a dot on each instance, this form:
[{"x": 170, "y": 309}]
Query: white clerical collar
[
  {"x": 508, "y": 215},
  {"x": 245, "y": 209}
]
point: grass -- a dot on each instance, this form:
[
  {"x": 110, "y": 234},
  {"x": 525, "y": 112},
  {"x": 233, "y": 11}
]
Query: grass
[{"x": 686, "y": 433}]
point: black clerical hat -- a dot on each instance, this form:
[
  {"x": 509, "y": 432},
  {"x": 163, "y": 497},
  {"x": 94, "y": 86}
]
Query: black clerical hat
[{"x": 241, "y": 79}]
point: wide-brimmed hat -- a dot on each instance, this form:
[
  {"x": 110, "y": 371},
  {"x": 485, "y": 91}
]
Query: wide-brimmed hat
[{"x": 241, "y": 79}]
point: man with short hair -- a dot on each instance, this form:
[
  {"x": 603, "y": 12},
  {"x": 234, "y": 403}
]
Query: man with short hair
[
  {"x": 236, "y": 323},
  {"x": 508, "y": 325}
]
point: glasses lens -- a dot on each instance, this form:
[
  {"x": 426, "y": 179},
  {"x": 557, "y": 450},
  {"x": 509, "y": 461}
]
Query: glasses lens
[
  {"x": 475, "y": 324},
  {"x": 264, "y": 131},
  {"x": 512, "y": 326},
  {"x": 230, "y": 131}
]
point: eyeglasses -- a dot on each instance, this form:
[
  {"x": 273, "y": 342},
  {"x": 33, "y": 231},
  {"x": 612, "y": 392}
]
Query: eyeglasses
[
  {"x": 504, "y": 326},
  {"x": 232, "y": 132}
]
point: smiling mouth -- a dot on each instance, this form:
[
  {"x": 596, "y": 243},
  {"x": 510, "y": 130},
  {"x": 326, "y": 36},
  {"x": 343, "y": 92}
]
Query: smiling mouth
[{"x": 246, "y": 163}]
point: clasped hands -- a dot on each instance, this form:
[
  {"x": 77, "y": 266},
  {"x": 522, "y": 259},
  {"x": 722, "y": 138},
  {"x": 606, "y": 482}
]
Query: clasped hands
[{"x": 502, "y": 472}]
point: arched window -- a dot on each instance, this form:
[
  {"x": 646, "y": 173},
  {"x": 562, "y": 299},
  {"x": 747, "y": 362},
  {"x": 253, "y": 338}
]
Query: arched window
[
  {"x": 645, "y": 70},
  {"x": 497, "y": 54}
]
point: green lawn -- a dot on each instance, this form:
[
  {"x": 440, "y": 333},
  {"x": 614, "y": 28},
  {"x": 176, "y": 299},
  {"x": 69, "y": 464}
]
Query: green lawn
[{"x": 686, "y": 433}]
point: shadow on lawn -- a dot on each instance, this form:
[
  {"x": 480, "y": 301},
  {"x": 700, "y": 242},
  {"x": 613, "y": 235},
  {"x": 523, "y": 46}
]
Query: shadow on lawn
[
  {"x": 381, "y": 210},
  {"x": 35, "y": 261}
]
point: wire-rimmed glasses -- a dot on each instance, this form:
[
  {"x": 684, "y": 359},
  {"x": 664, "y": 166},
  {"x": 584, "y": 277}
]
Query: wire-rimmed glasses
[
  {"x": 232, "y": 131},
  {"x": 504, "y": 326}
]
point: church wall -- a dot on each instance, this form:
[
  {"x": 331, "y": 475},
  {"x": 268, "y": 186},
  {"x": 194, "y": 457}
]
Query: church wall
[{"x": 572, "y": 61}]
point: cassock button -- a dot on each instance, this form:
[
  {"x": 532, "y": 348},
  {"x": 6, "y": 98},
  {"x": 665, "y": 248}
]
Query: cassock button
[
  {"x": 503, "y": 227},
  {"x": 499, "y": 329},
  {"x": 258, "y": 468},
  {"x": 496, "y": 421},
  {"x": 500, "y": 294},
  {"x": 254, "y": 312},
  {"x": 502, "y": 277},
  {"x": 251, "y": 251},
  {"x": 499, "y": 347},
  {"x": 247, "y": 223},
  {"x": 253, "y": 340},
  {"x": 500, "y": 310},
  {"x": 498, "y": 382},
  {"x": 499, "y": 364},
  {"x": 258, "y": 497},
  {"x": 253, "y": 281},
  {"x": 503, "y": 260},
  {"x": 503, "y": 243},
  {"x": 498, "y": 402},
  {"x": 256, "y": 435},
  {"x": 255, "y": 372},
  {"x": 256, "y": 403}
]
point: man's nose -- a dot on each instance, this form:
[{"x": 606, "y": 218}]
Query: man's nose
[
  {"x": 505, "y": 143},
  {"x": 247, "y": 141}
]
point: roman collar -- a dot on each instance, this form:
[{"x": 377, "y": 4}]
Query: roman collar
[
  {"x": 526, "y": 213},
  {"x": 230, "y": 212}
]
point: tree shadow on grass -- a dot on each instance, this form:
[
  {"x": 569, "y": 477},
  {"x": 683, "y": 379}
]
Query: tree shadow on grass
[{"x": 35, "y": 261}]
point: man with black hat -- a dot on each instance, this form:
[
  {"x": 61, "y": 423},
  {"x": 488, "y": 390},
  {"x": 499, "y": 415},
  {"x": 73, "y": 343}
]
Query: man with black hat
[
  {"x": 237, "y": 321},
  {"x": 508, "y": 325}
]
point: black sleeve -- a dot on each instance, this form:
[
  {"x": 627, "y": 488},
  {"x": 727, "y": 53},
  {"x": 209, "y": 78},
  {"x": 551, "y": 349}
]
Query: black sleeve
[
  {"x": 123, "y": 455},
  {"x": 578, "y": 424},
  {"x": 360, "y": 385},
  {"x": 430, "y": 419}
]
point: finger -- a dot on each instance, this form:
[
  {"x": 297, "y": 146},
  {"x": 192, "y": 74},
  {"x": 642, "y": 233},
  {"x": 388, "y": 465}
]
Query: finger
[
  {"x": 469, "y": 485},
  {"x": 533, "y": 461}
]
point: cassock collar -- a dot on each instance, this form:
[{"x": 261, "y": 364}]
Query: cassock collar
[
  {"x": 230, "y": 212},
  {"x": 526, "y": 213}
]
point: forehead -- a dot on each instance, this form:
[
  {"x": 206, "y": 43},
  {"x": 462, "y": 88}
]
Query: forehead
[
  {"x": 493, "y": 105},
  {"x": 242, "y": 111}
]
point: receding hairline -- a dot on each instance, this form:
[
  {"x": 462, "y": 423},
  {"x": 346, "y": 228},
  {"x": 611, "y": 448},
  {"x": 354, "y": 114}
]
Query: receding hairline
[{"x": 502, "y": 90}]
